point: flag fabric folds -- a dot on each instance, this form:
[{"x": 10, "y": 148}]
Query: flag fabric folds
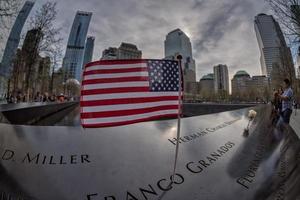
[{"x": 120, "y": 92}]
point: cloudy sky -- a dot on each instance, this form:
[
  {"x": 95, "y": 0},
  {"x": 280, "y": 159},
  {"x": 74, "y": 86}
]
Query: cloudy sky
[{"x": 221, "y": 31}]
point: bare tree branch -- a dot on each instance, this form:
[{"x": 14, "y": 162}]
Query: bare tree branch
[
  {"x": 8, "y": 10},
  {"x": 287, "y": 13},
  {"x": 47, "y": 41},
  {"x": 43, "y": 20}
]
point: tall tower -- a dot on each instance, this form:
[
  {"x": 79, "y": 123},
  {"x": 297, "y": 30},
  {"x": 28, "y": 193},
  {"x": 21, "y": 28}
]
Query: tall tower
[
  {"x": 271, "y": 43},
  {"x": 89, "y": 50},
  {"x": 221, "y": 79},
  {"x": 73, "y": 60},
  {"x": 177, "y": 42},
  {"x": 14, "y": 39}
]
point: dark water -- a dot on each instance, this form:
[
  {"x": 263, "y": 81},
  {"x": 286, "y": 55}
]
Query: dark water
[
  {"x": 71, "y": 119},
  {"x": 69, "y": 116}
]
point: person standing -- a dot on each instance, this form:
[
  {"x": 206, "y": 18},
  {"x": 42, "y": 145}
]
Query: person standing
[
  {"x": 277, "y": 105},
  {"x": 287, "y": 102}
]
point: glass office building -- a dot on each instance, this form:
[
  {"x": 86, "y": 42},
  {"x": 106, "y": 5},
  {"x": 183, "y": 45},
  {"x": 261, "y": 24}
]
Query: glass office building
[
  {"x": 73, "y": 60},
  {"x": 89, "y": 50},
  {"x": 14, "y": 39}
]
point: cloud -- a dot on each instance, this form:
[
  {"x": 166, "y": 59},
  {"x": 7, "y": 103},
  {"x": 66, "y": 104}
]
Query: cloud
[
  {"x": 227, "y": 36},
  {"x": 221, "y": 31}
]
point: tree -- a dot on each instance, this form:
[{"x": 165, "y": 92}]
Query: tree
[
  {"x": 55, "y": 61},
  {"x": 283, "y": 69},
  {"x": 46, "y": 42},
  {"x": 8, "y": 9},
  {"x": 43, "y": 20},
  {"x": 266, "y": 94},
  {"x": 287, "y": 13},
  {"x": 73, "y": 88},
  {"x": 287, "y": 65},
  {"x": 29, "y": 59}
]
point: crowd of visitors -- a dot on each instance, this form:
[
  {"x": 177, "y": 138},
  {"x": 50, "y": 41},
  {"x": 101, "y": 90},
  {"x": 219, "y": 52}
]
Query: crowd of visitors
[{"x": 22, "y": 98}]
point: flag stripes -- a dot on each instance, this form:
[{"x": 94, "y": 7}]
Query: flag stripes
[
  {"x": 114, "y": 107},
  {"x": 119, "y": 92}
]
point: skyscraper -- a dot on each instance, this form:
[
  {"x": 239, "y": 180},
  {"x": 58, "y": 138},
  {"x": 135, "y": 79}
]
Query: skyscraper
[
  {"x": 221, "y": 79},
  {"x": 239, "y": 84},
  {"x": 207, "y": 86},
  {"x": 73, "y": 60},
  {"x": 260, "y": 86},
  {"x": 248, "y": 88},
  {"x": 260, "y": 83},
  {"x": 125, "y": 51},
  {"x": 272, "y": 45},
  {"x": 177, "y": 42},
  {"x": 25, "y": 68},
  {"x": 110, "y": 54},
  {"x": 129, "y": 51},
  {"x": 14, "y": 39},
  {"x": 89, "y": 50}
]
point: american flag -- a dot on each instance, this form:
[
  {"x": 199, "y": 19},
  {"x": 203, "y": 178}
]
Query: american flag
[{"x": 120, "y": 92}]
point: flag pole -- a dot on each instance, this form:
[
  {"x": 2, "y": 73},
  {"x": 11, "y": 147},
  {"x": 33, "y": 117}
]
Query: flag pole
[{"x": 179, "y": 58}]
